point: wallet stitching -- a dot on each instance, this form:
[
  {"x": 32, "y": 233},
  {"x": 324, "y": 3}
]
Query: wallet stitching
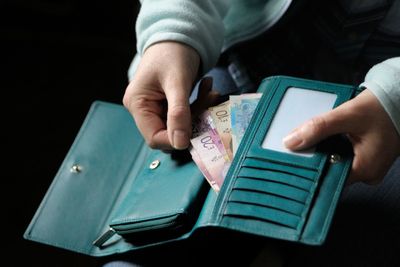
[{"x": 243, "y": 147}]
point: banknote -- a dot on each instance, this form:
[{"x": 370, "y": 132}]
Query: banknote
[
  {"x": 201, "y": 124},
  {"x": 213, "y": 161},
  {"x": 205, "y": 123},
  {"x": 217, "y": 133},
  {"x": 196, "y": 158},
  {"x": 222, "y": 120},
  {"x": 241, "y": 110}
]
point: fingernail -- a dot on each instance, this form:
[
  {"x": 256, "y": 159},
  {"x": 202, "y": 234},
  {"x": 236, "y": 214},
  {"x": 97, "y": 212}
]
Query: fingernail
[
  {"x": 180, "y": 139},
  {"x": 293, "y": 140}
]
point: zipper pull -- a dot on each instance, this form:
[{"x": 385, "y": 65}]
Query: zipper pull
[{"x": 104, "y": 237}]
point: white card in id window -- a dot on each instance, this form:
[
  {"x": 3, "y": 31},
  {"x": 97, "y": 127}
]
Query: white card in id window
[{"x": 298, "y": 105}]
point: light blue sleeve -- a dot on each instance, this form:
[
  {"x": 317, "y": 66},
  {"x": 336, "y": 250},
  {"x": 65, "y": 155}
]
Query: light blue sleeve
[
  {"x": 383, "y": 80},
  {"x": 197, "y": 23}
]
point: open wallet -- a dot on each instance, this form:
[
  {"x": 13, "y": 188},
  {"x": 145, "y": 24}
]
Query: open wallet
[{"x": 113, "y": 194}]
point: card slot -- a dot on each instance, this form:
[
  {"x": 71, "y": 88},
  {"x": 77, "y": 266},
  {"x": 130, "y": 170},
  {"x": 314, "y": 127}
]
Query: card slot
[
  {"x": 284, "y": 168},
  {"x": 262, "y": 213},
  {"x": 267, "y": 200},
  {"x": 274, "y": 188},
  {"x": 276, "y": 176}
]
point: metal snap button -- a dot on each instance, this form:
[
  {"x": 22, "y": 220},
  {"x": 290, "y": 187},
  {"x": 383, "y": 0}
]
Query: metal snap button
[
  {"x": 76, "y": 168},
  {"x": 154, "y": 164},
  {"x": 335, "y": 158}
]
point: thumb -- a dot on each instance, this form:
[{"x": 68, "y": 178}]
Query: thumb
[
  {"x": 178, "y": 116},
  {"x": 318, "y": 128}
]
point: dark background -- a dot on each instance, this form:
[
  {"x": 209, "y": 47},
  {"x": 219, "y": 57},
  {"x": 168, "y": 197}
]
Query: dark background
[{"x": 56, "y": 58}]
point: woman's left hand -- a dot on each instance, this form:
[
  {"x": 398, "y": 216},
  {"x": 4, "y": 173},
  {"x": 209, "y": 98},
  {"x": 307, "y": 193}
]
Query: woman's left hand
[{"x": 376, "y": 143}]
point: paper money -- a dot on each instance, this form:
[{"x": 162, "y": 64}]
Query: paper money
[
  {"x": 217, "y": 133},
  {"x": 222, "y": 120},
  {"x": 212, "y": 159},
  {"x": 204, "y": 124},
  {"x": 196, "y": 158},
  {"x": 201, "y": 124},
  {"x": 242, "y": 108}
]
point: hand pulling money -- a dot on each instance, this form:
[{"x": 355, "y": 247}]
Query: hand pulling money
[{"x": 217, "y": 133}]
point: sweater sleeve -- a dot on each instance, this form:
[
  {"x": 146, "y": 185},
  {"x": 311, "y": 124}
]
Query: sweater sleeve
[
  {"x": 383, "y": 80},
  {"x": 197, "y": 23}
]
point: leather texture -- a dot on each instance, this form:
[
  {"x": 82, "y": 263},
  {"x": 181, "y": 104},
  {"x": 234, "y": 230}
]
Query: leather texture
[
  {"x": 163, "y": 195},
  {"x": 147, "y": 197},
  {"x": 121, "y": 183},
  {"x": 282, "y": 195}
]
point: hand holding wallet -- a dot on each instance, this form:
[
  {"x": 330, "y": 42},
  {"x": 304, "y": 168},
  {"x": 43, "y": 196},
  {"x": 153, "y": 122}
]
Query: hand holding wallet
[{"x": 113, "y": 194}]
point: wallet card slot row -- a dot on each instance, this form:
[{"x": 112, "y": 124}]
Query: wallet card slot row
[
  {"x": 267, "y": 200},
  {"x": 275, "y": 176},
  {"x": 262, "y": 213},
  {"x": 274, "y": 188},
  {"x": 289, "y": 169}
]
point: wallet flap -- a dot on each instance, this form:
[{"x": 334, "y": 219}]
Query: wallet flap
[{"x": 77, "y": 206}]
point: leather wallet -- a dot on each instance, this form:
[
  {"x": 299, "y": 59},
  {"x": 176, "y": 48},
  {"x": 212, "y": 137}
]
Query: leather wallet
[{"x": 113, "y": 194}]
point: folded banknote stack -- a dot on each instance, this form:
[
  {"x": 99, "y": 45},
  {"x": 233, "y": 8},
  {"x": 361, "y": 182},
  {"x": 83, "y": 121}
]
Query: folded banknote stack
[{"x": 217, "y": 133}]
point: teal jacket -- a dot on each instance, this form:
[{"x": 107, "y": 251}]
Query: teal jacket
[{"x": 212, "y": 26}]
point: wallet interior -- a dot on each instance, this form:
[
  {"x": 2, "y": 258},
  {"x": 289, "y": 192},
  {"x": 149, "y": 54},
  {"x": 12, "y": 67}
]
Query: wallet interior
[
  {"x": 268, "y": 191},
  {"x": 111, "y": 182}
]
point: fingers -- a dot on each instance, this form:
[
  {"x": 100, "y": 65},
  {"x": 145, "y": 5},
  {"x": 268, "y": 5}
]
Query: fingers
[
  {"x": 146, "y": 113},
  {"x": 164, "y": 76},
  {"x": 336, "y": 121},
  {"x": 375, "y": 141},
  {"x": 178, "y": 116},
  {"x": 179, "y": 122},
  {"x": 367, "y": 166}
]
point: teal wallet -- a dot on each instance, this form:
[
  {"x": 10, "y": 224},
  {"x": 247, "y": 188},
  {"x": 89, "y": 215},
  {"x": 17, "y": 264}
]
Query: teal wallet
[{"x": 113, "y": 194}]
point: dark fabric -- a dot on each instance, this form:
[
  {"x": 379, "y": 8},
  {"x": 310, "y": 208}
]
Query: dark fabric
[
  {"x": 365, "y": 230},
  {"x": 316, "y": 40}
]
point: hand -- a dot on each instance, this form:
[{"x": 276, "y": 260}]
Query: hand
[
  {"x": 376, "y": 143},
  {"x": 158, "y": 96}
]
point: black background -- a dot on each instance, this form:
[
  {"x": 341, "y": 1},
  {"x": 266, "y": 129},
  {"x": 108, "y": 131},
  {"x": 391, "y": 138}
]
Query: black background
[{"x": 56, "y": 58}]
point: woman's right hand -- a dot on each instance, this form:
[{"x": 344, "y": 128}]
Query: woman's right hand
[{"x": 158, "y": 95}]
